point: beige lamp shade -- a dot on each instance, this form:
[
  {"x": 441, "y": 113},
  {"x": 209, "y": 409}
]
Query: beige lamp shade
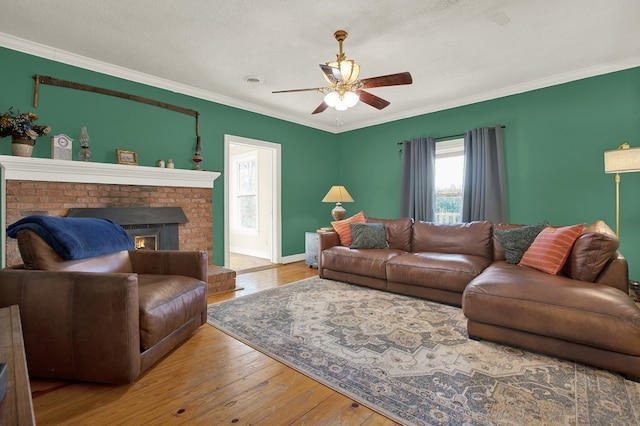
[
  {"x": 338, "y": 194},
  {"x": 622, "y": 160}
]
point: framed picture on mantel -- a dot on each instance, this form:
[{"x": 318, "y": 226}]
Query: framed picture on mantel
[{"x": 127, "y": 157}]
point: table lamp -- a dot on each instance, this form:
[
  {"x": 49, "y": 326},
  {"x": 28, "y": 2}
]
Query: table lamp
[
  {"x": 621, "y": 160},
  {"x": 338, "y": 194}
]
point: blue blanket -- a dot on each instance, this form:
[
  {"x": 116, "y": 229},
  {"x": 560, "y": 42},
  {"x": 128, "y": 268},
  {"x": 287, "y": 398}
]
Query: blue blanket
[{"x": 76, "y": 238}]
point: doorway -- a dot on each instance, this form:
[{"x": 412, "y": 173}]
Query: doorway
[{"x": 252, "y": 203}]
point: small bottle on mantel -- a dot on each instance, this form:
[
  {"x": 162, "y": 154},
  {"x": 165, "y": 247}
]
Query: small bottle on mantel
[
  {"x": 170, "y": 163},
  {"x": 84, "y": 154}
]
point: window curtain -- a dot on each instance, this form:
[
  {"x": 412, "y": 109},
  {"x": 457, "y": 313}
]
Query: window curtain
[
  {"x": 418, "y": 175},
  {"x": 484, "y": 195}
]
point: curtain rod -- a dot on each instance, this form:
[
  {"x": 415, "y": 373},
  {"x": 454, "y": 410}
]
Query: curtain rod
[{"x": 450, "y": 136}]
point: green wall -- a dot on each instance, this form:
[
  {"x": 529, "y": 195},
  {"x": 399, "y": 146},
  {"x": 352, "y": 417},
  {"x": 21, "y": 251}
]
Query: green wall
[
  {"x": 155, "y": 133},
  {"x": 554, "y": 142}
]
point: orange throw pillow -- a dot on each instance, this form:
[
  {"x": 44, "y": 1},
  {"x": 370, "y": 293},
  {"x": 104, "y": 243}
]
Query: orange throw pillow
[
  {"x": 550, "y": 249},
  {"x": 344, "y": 230}
]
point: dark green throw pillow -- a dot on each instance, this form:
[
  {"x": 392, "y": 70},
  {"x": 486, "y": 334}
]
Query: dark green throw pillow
[
  {"x": 368, "y": 235},
  {"x": 516, "y": 241}
]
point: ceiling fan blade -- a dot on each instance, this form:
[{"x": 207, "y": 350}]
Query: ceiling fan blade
[
  {"x": 387, "y": 80},
  {"x": 333, "y": 74},
  {"x": 372, "y": 100},
  {"x": 297, "y": 90},
  {"x": 320, "y": 108}
]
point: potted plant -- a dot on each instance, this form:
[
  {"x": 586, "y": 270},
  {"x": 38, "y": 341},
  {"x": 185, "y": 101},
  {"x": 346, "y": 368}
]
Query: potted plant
[{"x": 22, "y": 131}]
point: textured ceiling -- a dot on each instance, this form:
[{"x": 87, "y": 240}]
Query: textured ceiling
[{"x": 457, "y": 51}]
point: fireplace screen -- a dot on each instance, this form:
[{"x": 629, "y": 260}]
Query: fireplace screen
[{"x": 146, "y": 242}]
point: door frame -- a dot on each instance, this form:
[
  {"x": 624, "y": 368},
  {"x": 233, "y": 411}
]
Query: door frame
[{"x": 276, "y": 213}]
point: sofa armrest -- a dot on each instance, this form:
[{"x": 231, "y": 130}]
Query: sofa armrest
[
  {"x": 616, "y": 274},
  {"x": 170, "y": 262},
  {"x": 77, "y": 325},
  {"x": 326, "y": 240}
]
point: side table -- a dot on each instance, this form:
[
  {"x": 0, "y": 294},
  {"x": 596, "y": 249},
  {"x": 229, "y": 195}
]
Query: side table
[{"x": 311, "y": 249}]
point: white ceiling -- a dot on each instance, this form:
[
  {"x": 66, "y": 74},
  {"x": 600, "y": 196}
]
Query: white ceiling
[{"x": 458, "y": 51}]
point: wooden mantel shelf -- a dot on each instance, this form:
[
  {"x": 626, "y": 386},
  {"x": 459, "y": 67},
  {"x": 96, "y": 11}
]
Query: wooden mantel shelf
[{"x": 48, "y": 170}]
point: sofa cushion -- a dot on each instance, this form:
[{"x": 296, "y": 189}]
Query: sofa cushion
[
  {"x": 365, "y": 262},
  {"x": 445, "y": 271},
  {"x": 166, "y": 303},
  {"x": 550, "y": 249},
  {"x": 368, "y": 235},
  {"x": 399, "y": 232},
  {"x": 515, "y": 241},
  {"x": 37, "y": 254},
  {"x": 344, "y": 230},
  {"x": 592, "y": 252},
  {"x": 473, "y": 238}
]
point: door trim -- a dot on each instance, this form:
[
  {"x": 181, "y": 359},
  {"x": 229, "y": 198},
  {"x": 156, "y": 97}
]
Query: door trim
[{"x": 276, "y": 214}]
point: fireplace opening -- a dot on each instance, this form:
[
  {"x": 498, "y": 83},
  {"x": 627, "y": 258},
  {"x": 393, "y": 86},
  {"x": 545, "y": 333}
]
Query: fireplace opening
[
  {"x": 145, "y": 242},
  {"x": 151, "y": 228}
]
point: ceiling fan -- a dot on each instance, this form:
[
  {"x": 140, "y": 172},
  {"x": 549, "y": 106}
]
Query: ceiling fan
[{"x": 345, "y": 90}]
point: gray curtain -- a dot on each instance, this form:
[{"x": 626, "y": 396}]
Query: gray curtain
[
  {"x": 484, "y": 195},
  {"x": 418, "y": 171}
]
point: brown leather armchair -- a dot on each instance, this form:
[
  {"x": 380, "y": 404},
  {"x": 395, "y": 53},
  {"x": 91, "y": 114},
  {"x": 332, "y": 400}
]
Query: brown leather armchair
[{"x": 103, "y": 319}]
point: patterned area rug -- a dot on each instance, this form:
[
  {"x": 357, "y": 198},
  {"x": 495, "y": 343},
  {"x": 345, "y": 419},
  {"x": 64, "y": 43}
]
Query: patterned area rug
[{"x": 411, "y": 359}]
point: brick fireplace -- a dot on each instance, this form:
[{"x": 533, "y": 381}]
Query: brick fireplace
[{"x": 52, "y": 187}]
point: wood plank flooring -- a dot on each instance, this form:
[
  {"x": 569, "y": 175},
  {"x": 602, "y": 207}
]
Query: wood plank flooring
[{"x": 211, "y": 379}]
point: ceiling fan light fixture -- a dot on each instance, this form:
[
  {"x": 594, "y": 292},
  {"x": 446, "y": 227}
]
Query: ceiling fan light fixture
[
  {"x": 350, "y": 71},
  {"x": 341, "y": 102},
  {"x": 332, "y": 99},
  {"x": 350, "y": 99},
  {"x": 344, "y": 90}
]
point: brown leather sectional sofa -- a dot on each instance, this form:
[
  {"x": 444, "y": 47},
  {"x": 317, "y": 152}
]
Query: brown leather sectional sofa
[
  {"x": 107, "y": 318},
  {"x": 583, "y": 314}
]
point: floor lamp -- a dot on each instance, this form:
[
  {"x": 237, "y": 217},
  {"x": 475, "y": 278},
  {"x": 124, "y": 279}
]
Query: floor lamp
[{"x": 621, "y": 160}]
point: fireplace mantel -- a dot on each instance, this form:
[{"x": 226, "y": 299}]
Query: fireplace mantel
[
  {"x": 48, "y": 170},
  {"x": 44, "y": 169}
]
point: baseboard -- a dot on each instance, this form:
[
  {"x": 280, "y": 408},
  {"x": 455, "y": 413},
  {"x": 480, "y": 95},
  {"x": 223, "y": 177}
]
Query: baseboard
[{"x": 293, "y": 258}]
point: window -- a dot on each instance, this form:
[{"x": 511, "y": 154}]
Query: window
[
  {"x": 448, "y": 181},
  {"x": 245, "y": 216}
]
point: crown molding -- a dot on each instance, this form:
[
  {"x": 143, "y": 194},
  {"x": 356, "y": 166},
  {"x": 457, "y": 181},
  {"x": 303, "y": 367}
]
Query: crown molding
[
  {"x": 48, "y": 52},
  {"x": 627, "y": 63},
  {"x": 62, "y": 56}
]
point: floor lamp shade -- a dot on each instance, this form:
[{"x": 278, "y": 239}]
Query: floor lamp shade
[
  {"x": 338, "y": 194},
  {"x": 621, "y": 160}
]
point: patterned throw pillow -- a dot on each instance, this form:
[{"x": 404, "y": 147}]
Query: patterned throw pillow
[
  {"x": 344, "y": 230},
  {"x": 516, "y": 241},
  {"x": 550, "y": 249},
  {"x": 368, "y": 235}
]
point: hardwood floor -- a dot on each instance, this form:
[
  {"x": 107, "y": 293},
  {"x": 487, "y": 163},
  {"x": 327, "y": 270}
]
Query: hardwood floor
[
  {"x": 211, "y": 379},
  {"x": 242, "y": 263}
]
